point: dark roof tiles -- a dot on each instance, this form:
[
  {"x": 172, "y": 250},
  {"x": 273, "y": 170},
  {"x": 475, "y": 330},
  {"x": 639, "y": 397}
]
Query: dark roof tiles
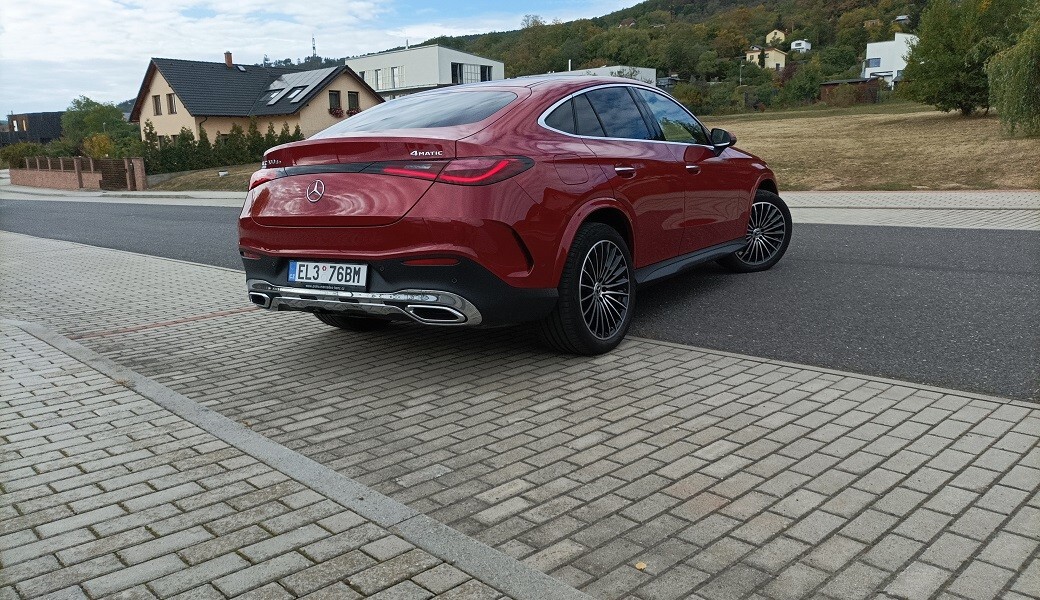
[{"x": 214, "y": 89}]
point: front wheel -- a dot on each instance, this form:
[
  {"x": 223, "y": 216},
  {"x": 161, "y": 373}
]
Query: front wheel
[
  {"x": 767, "y": 238},
  {"x": 597, "y": 292}
]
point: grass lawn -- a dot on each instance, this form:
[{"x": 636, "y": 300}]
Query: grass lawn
[
  {"x": 890, "y": 146},
  {"x": 237, "y": 180},
  {"x": 896, "y": 145}
]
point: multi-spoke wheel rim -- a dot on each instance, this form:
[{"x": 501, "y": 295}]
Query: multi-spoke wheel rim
[
  {"x": 766, "y": 231},
  {"x": 604, "y": 289}
]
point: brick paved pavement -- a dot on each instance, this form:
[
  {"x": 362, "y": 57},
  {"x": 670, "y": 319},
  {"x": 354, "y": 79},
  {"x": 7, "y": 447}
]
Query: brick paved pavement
[
  {"x": 727, "y": 476},
  {"x": 106, "y": 491}
]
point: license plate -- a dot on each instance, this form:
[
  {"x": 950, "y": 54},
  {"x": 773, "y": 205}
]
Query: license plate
[{"x": 327, "y": 273}]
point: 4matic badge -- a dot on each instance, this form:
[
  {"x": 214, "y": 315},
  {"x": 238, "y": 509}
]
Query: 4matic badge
[{"x": 426, "y": 153}]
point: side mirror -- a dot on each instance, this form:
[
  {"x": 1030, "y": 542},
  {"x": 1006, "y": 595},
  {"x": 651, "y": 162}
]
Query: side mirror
[{"x": 722, "y": 139}]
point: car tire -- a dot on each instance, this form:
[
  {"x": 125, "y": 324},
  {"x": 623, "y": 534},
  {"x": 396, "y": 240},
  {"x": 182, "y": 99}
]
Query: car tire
[
  {"x": 768, "y": 235},
  {"x": 597, "y": 294},
  {"x": 353, "y": 323}
]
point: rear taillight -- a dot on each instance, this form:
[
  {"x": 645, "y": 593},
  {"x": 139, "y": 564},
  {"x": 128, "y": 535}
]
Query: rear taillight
[
  {"x": 460, "y": 171},
  {"x": 263, "y": 176}
]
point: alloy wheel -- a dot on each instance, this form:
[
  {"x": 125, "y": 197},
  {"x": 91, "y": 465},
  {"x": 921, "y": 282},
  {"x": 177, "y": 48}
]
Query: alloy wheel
[
  {"x": 604, "y": 289},
  {"x": 766, "y": 231}
]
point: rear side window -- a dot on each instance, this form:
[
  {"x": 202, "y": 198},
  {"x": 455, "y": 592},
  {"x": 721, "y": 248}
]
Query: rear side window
[
  {"x": 618, "y": 113},
  {"x": 676, "y": 124},
  {"x": 585, "y": 118},
  {"x": 562, "y": 119},
  {"x": 419, "y": 111}
]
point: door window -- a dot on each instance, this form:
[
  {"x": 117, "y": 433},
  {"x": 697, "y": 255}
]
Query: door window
[
  {"x": 676, "y": 124},
  {"x": 618, "y": 113}
]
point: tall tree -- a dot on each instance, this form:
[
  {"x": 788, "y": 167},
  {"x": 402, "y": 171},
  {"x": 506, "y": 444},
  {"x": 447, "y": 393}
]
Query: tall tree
[
  {"x": 85, "y": 117},
  {"x": 1014, "y": 76},
  {"x": 946, "y": 68}
]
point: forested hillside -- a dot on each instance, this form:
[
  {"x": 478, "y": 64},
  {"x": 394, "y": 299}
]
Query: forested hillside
[{"x": 704, "y": 41}]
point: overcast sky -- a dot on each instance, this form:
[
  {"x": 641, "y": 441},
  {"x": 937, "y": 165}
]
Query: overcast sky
[{"x": 52, "y": 51}]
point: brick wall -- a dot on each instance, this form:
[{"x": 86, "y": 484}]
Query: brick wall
[{"x": 59, "y": 180}]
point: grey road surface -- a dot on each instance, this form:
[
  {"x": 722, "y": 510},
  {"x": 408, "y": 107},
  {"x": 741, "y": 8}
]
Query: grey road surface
[{"x": 958, "y": 308}]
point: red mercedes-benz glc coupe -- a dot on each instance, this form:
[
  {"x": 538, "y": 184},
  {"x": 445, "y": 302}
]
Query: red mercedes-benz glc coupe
[{"x": 546, "y": 200}]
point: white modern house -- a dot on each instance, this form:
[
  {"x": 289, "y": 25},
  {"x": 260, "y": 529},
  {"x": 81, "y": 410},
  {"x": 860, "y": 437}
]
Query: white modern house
[
  {"x": 397, "y": 73},
  {"x": 644, "y": 74},
  {"x": 801, "y": 46},
  {"x": 888, "y": 59}
]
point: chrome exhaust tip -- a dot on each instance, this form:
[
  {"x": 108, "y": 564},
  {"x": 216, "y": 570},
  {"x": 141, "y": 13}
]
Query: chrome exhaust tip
[
  {"x": 435, "y": 315},
  {"x": 261, "y": 300}
]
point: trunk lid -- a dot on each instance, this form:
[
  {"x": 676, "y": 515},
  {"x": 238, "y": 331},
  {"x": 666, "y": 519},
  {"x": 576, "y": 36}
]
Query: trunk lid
[{"x": 323, "y": 182}]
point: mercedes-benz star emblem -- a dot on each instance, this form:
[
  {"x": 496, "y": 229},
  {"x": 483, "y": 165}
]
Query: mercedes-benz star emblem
[{"x": 316, "y": 190}]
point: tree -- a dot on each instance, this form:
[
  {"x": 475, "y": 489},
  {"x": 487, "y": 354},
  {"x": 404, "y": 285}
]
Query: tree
[
  {"x": 98, "y": 145},
  {"x": 946, "y": 67},
  {"x": 85, "y": 117},
  {"x": 1014, "y": 76}
]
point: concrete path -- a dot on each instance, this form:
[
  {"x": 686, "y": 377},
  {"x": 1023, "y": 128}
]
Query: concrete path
[{"x": 659, "y": 471}]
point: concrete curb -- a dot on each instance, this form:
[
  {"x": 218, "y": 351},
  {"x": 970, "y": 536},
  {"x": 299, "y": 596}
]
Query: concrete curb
[{"x": 486, "y": 564}]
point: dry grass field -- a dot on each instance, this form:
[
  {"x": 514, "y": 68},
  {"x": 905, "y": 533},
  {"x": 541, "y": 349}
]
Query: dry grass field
[
  {"x": 889, "y": 146},
  {"x": 237, "y": 180},
  {"x": 893, "y": 146}
]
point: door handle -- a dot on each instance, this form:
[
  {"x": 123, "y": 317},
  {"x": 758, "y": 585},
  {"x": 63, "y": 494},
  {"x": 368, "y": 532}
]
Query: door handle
[
  {"x": 625, "y": 171},
  {"x": 693, "y": 169}
]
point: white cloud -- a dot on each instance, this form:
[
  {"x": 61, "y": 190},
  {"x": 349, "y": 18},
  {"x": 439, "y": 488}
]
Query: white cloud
[{"x": 52, "y": 51}]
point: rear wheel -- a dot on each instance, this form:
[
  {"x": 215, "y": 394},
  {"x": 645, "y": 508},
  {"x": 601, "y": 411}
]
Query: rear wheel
[
  {"x": 767, "y": 238},
  {"x": 597, "y": 293},
  {"x": 353, "y": 323}
]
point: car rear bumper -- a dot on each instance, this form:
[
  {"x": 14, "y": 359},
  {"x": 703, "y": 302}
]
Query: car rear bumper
[{"x": 464, "y": 294}]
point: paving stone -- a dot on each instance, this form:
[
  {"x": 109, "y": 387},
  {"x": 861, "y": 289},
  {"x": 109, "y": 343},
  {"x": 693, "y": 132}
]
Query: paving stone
[
  {"x": 442, "y": 578},
  {"x": 918, "y": 581},
  {"x": 391, "y": 572},
  {"x": 260, "y": 574},
  {"x": 471, "y": 590},
  {"x": 857, "y": 582},
  {"x": 674, "y": 584},
  {"x": 981, "y": 580},
  {"x": 794, "y": 582},
  {"x": 134, "y": 575},
  {"x": 406, "y": 590},
  {"x": 189, "y": 578}
]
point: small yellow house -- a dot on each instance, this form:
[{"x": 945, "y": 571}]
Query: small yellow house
[
  {"x": 214, "y": 96},
  {"x": 775, "y": 37},
  {"x": 775, "y": 59}
]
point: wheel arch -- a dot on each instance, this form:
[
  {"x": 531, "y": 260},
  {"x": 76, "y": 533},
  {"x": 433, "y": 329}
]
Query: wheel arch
[
  {"x": 607, "y": 211},
  {"x": 768, "y": 185}
]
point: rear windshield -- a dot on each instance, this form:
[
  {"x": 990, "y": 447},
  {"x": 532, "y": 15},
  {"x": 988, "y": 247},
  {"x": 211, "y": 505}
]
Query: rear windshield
[{"x": 419, "y": 111}]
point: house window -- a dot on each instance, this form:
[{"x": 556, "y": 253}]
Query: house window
[
  {"x": 353, "y": 101},
  {"x": 15, "y": 124},
  {"x": 395, "y": 77},
  {"x": 463, "y": 73},
  {"x": 171, "y": 103},
  {"x": 873, "y": 62},
  {"x": 485, "y": 73},
  {"x": 361, "y": 75},
  {"x": 334, "y": 101},
  {"x": 377, "y": 76},
  {"x": 293, "y": 93},
  {"x": 156, "y": 105}
]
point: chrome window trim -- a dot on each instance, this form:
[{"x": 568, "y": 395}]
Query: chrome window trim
[{"x": 555, "y": 105}]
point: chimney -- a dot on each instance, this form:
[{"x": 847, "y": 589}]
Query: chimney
[{"x": 227, "y": 60}]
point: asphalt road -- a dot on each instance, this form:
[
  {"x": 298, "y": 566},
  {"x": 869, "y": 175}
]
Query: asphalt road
[{"x": 954, "y": 308}]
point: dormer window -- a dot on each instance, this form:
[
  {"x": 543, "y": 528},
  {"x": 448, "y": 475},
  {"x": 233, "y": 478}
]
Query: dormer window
[{"x": 293, "y": 93}]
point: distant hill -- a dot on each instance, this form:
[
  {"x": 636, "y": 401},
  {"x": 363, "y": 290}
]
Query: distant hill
[{"x": 674, "y": 35}]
